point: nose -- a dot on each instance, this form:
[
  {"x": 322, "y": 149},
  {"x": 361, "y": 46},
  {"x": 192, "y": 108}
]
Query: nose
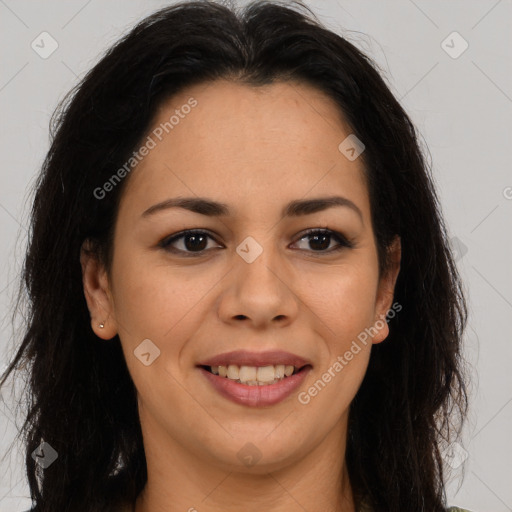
[{"x": 259, "y": 293}]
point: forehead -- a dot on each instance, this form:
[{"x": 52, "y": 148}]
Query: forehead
[{"x": 269, "y": 143}]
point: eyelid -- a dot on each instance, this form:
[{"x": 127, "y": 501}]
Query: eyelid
[
  {"x": 166, "y": 242},
  {"x": 343, "y": 241}
]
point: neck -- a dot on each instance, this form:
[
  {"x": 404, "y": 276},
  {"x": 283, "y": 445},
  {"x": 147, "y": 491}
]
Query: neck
[{"x": 317, "y": 481}]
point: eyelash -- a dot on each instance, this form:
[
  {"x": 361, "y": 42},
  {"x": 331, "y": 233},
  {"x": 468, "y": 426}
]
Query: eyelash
[{"x": 166, "y": 242}]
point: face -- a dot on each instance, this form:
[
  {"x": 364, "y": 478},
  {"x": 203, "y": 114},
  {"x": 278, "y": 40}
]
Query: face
[{"x": 250, "y": 278}]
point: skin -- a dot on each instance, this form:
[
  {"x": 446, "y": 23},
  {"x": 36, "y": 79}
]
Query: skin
[{"x": 254, "y": 149}]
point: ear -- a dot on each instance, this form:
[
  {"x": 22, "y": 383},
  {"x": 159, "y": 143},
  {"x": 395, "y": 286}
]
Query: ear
[
  {"x": 386, "y": 291},
  {"x": 97, "y": 293}
]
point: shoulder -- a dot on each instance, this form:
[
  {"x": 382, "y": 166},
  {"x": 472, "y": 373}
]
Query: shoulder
[
  {"x": 365, "y": 508},
  {"x": 124, "y": 506},
  {"x": 121, "y": 506}
]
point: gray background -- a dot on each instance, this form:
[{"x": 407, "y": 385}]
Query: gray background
[{"x": 462, "y": 107}]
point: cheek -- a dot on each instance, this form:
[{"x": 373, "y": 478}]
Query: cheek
[
  {"x": 343, "y": 299},
  {"x": 159, "y": 302},
  {"x": 343, "y": 308}
]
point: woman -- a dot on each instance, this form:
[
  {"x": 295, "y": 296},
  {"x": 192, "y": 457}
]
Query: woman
[{"x": 242, "y": 294}]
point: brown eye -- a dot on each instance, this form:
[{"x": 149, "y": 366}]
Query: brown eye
[
  {"x": 319, "y": 240},
  {"x": 189, "y": 242},
  {"x": 195, "y": 242}
]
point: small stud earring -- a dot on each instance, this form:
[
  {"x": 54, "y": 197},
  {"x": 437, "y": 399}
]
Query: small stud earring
[{"x": 101, "y": 326}]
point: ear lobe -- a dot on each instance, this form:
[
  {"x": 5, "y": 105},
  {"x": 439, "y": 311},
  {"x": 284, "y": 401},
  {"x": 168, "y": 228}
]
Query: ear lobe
[
  {"x": 386, "y": 290},
  {"x": 97, "y": 293}
]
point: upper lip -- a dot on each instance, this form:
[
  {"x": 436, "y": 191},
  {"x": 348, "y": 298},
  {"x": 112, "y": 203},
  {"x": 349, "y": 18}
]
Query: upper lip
[{"x": 248, "y": 358}]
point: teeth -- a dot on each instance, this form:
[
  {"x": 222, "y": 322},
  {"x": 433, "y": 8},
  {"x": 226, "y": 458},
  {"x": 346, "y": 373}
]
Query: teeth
[
  {"x": 265, "y": 374},
  {"x": 253, "y": 375},
  {"x": 247, "y": 373},
  {"x": 288, "y": 370},
  {"x": 233, "y": 372}
]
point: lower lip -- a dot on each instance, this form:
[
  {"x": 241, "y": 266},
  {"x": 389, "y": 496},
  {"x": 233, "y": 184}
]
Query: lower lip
[{"x": 256, "y": 396}]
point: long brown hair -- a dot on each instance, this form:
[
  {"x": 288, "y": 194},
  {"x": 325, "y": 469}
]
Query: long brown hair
[{"x": 82, "y": 400}]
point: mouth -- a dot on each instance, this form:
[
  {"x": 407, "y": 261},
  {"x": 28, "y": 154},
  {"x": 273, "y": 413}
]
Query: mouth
[
  {"x": 255, "y": 375},
  {"x": 255, "y": 378},
  {"x": 242, "y": 385}
]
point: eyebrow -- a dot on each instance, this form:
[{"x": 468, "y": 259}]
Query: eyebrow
[{"x": 212, "y": 208}]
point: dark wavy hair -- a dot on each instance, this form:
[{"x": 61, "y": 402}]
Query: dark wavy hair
[{"x": 81, "y": 398}]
